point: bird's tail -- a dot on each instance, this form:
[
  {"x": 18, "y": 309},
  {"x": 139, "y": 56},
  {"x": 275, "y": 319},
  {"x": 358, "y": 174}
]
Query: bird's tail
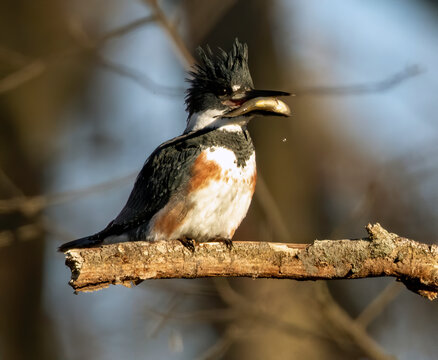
[
  {"x": 96, "y": 239},
  {"x": 84, "y": 242}
]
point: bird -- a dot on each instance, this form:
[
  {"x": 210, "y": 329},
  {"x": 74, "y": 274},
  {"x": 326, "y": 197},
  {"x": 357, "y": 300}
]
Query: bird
[{"x": 198, "y": 186}]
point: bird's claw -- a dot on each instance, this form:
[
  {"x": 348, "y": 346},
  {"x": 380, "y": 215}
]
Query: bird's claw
[
  {"x": 188, "y": 243},
  {"x": 228, "y": 243}
]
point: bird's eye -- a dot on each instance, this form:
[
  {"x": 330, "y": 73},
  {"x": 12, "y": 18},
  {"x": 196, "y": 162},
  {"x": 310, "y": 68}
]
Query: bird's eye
[{"x": 223, "y": 91}]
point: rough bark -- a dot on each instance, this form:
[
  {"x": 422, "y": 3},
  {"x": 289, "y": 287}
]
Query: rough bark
[{"x": 380, "y": 254}]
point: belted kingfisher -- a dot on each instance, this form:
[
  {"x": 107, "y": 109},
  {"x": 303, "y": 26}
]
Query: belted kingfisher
[{"x": 198, "y": 186}]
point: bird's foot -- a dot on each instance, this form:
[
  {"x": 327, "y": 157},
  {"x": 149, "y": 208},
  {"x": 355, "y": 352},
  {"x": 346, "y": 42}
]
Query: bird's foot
[
  {"x": 228, "y": 243},
  {"x": 188, "y": 243}
]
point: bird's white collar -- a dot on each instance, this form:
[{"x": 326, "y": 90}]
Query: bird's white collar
[{"x": 212, "y": 119}]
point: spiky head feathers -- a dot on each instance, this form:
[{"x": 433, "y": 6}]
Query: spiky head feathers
[{"x": 217, "y": 76}]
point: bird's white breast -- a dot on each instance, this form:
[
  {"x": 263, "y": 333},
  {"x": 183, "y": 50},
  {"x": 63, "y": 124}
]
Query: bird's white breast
[{"x": 215, "y": 207}]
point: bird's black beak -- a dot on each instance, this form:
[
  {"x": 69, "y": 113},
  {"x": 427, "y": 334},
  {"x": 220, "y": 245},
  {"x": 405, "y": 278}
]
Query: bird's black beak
[
  {"x": 260, "y": 101},
  {"x": 253, "y": 93}
]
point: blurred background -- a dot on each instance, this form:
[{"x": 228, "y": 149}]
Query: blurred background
[{"x": 89, "y": 88}]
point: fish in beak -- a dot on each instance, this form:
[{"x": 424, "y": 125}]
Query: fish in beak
[{"x": 258, "y": 101}]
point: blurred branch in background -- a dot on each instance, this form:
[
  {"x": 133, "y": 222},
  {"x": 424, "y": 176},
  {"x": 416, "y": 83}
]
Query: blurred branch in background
[
  {"x": 36, "y": 67},
  {"x": 138, "y": 77},
  {"x": 362, "y": 89},
  {"x": 178, "y": 42},
  {"x": 247, "y": 314},
  {"x": 32, "y": 205},
  {"x": 375, "y": 307},
  {"x": 30, "y": 69},
  {"x": 340, "y": 320}
]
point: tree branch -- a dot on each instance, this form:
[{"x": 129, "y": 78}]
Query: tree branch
[{"x": 380, "y": 254}]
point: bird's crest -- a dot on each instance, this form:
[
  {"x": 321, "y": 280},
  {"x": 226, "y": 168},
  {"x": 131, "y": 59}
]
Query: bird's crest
[{"x": 216, "y": 72}]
